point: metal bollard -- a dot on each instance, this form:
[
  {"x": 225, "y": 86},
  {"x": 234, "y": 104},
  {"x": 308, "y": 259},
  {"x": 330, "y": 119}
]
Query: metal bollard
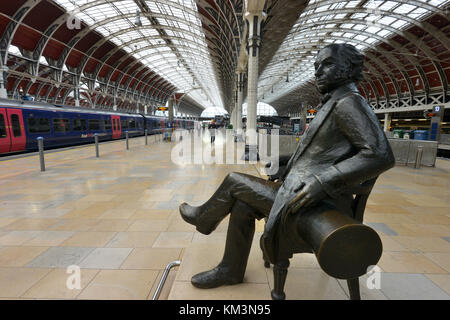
[
  {"x": 126, "y": 136},
  {"x": 96, "y": 145},
  {"x": 146, "y": 139},
  {"x": 40, "y": 141},
  {"x": 419, "y": 154}
]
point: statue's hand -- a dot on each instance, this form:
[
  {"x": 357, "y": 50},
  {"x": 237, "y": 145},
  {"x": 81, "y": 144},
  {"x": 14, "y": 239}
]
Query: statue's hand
[{"x": 308, "y": 193}]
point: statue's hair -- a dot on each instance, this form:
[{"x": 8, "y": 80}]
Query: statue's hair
[{"x": 353, "y": 60}]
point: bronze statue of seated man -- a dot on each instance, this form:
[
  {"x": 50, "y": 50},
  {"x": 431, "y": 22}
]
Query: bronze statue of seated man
[{"x": 343, "y": 147}]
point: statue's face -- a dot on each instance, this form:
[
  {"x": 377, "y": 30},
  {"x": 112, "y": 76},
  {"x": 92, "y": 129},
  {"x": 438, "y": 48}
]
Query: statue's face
[{"x": 329, "y": 70}]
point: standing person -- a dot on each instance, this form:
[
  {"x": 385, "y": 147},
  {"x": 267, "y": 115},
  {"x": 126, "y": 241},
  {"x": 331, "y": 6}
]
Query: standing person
[
  {"x": 212, "y": 131},
  {"x": 343, "y": 147}
]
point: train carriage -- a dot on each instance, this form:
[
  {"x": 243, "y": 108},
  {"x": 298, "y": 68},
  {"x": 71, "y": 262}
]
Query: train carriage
[{"x": 22, "y": 122}]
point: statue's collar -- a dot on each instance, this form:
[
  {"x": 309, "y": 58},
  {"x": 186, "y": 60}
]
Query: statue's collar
[{"x": 339, "y": 92}]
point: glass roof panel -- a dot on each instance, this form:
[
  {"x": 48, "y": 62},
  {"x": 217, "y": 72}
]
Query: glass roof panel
[
  {"x": 371, "y": 20},
  {"x": 183, "y": 61}
]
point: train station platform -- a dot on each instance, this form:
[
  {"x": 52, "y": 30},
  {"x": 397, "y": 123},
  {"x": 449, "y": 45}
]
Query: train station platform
[{"x": 116, "y": 217}]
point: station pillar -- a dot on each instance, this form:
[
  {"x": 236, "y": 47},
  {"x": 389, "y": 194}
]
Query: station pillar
[
  {"x": 76, "y": 93},
  {"x": 240, "y": 95},
  {"x": 170, "y": 106},
  {"x": 303, "y": 117},
  {"x": 115, "y": 103},
  {"x": 254, "y": 18},
  {"x": 3, "y": 91},
  {"x": 387, "y": 121}
]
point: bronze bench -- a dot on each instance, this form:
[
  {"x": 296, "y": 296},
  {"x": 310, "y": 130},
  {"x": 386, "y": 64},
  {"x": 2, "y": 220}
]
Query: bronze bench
[{"x": 361, "y": 194}]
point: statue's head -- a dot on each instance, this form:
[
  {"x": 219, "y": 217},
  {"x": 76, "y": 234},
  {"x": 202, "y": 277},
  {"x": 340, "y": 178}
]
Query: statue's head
[{"x": 338, "y": 64}]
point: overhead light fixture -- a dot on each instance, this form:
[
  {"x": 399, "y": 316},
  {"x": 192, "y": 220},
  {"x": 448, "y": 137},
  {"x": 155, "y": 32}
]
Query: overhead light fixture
[
  {"x": 138, "y": 21},
  {"x": 417, "y": 82}
]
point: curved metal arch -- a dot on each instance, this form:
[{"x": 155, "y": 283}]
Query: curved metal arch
[
  {"x": 47, "y": 36},
  {"x": 151, "y": 86},
  {"x": 222, "y": 46},
  {"x": 100, "y": 2},
  {"x": 224, "y": 18},
  {"x": 126, "y": 56},
  {"x": 160, "y": 92},
  {"x": 391, "y": 57},
  {"x": 385, "y": 89},
  {"x": 381, "y": 79},
  {"x": 396, "y": 46},
  {"x": 318, "y": 38},
  {"x": 177, "y": 77},
  {"x": 132, "y": 76},
  {"x": 154, "y": 85},
  {"x": 418, "y": 4},
  {"x": 166, "y": 94},
  {"x": 124, "y": 72},
  {"x": 135, "y": 86},
  {"x": 143, "y": 83},
  {"x": 149, "y": 83},
  {"x": 13, "y": 26},
  {"x": 83, "y": 63},
  {"x": 407, "y": 35},
  {"x": 139, "y": 80},
  {"x": 82, "y": 34},
  {"x": 374, "y": 89},
  {"x": 439, "y": 35},
  {"x": 363, "y": 86},
  {"x": 118, "y": 48},
  {"x": 152, "y": 15}
]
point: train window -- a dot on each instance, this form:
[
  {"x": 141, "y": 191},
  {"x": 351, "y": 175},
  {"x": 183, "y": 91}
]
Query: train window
[
  {"x": 61, "y": 125},
  {"x": 2, "y": 126},
  {"x": 124, "y": 124},
  {"x": 79, "y": 125},
  {"x": 115, "y": 124},
  {"x": 132, "y": 124},
  {"x": 107, "y": 124},
  {"x": 15, "y": 123},
  {"x": 94, "y": 124},
  {"x": 38, "y": 125}
]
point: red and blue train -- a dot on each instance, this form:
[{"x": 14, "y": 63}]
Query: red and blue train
[{"x": 22, "y": 122}]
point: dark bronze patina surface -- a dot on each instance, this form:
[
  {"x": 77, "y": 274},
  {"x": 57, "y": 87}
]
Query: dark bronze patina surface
[{"x": 316, "y": 201}]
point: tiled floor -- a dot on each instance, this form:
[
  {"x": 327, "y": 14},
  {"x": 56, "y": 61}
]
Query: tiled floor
[{"x": 116, "y": 218}]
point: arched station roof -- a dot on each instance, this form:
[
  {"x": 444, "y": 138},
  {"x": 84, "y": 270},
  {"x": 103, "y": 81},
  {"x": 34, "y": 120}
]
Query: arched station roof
[
  {"x": 132, "y": 53},
  {"x": 406, "y": 46}
]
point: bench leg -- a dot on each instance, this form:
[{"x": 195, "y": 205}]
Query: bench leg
[
  {"x": 353, "y": 289},
  {"x": 266, "y": 261},
  {"x": 279, "y": 276}
]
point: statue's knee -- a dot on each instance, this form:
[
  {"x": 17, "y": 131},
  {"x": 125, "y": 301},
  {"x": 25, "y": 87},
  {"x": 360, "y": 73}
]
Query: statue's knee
[{"x": 232, "y": 176}]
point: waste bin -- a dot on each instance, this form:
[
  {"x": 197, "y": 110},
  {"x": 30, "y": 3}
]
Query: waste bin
[
  {"x": 421, "y": 135},
  {"x": 398, "y": 133},
  {"x": 408, "y": 134}
]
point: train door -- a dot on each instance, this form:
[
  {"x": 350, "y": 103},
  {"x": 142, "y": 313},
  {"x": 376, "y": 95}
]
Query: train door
[
  {"x": 5, "y": 141},
  {"x": 116, "y": 128},
  {"x": 16, "y": 129}
]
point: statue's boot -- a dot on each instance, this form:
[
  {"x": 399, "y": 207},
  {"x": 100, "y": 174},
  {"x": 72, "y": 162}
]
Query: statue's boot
[
  {"x": 208, "y": 216},
  {"x": 231, "y": 269},
  {"x": 257, "y": 192}
]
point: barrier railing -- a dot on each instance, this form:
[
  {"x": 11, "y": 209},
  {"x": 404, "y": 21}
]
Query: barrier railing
[{"x": 164, "y": 278}]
